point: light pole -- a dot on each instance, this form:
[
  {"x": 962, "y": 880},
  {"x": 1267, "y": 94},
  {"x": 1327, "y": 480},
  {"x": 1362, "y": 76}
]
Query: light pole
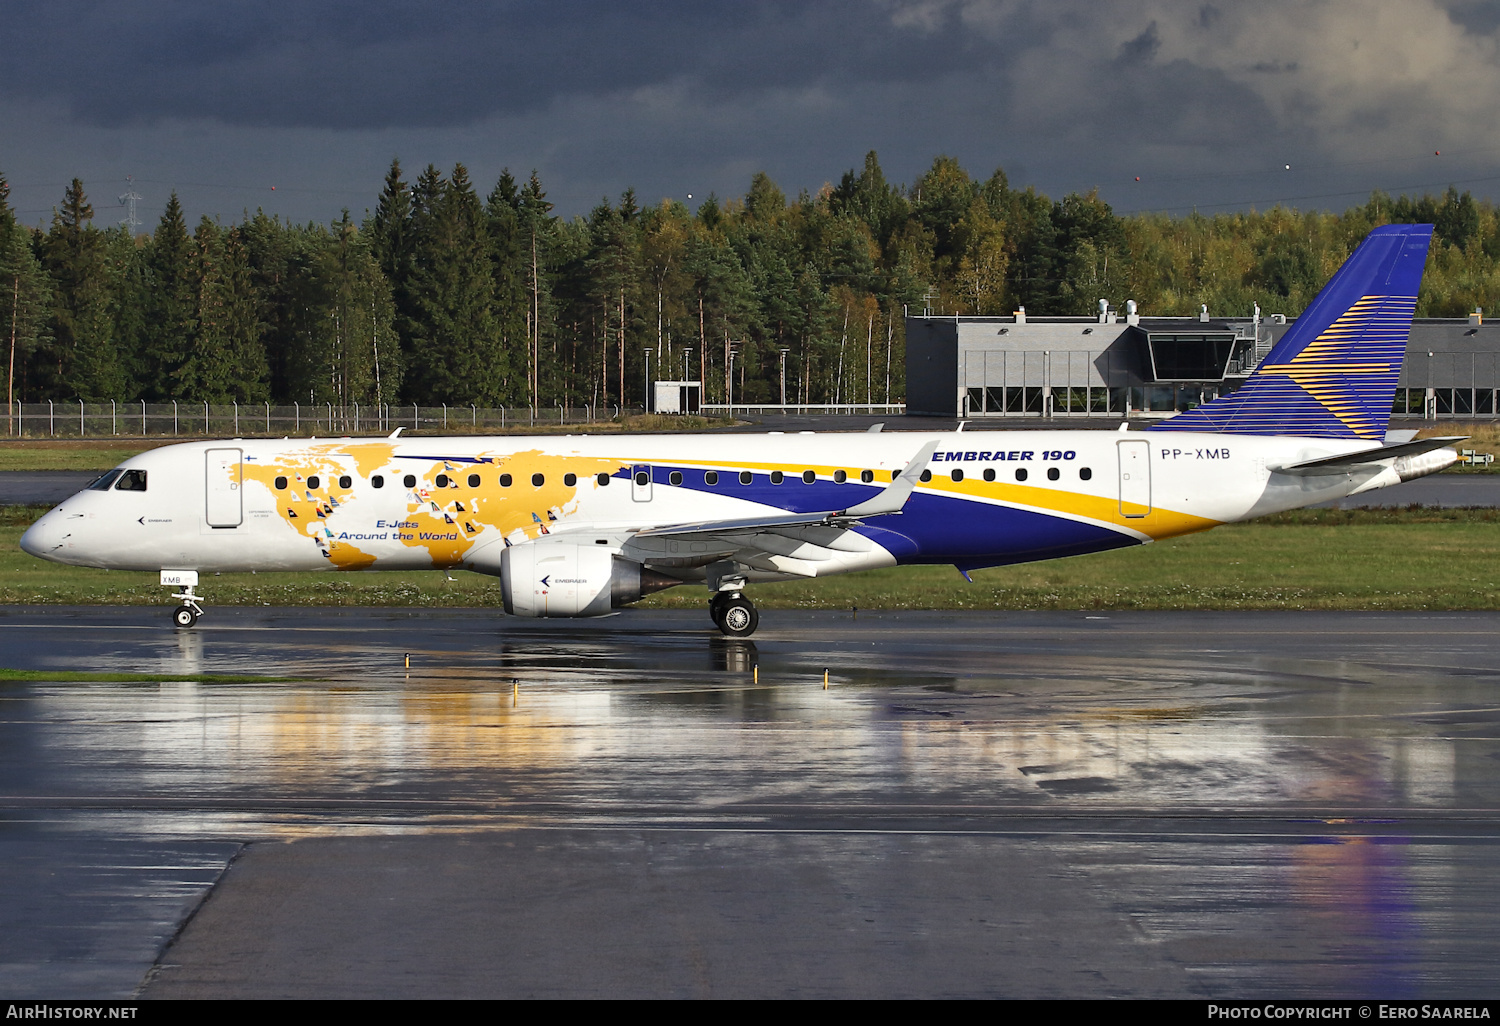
[
  {"x": 729, "y": 384},
  {"x": 783, "y": 378},
  {"x": 646, "y": 392},
  {"x": 685, "y": 354}
]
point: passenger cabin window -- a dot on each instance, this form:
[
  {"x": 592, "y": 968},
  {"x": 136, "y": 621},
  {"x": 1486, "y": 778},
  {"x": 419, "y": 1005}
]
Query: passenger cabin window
[
  {"x": 1021, "y": 474},
  {"x": 409, "y": 481},
  {"x": 956, "y": 474},
  {"x": 746, "y": 477},
  {"x": 675, "y": 477},
  {"x": 710, "y": 477},
  {"x": 568, "y": 479},
  {"x": 505, "y": 480},
  {"x": 537, "y": 480},
  {"x": 442, "y": 481},
  {"x": 926, "y": 475},
  {"x": 377, "y": 481},
  {"x": 839, "y": 477},
  {"x": 346, "y": 481},
  {"x": 1053, "y": 473},
  {"x": 132, "y": 481},
  {"x": 777, "y": 477},
  {"x": 312, "y": 482},
  {"x": 808, "y": 477},
  {"x": 603, "y": 480},
  {"x": 867, "y": 476},
  {"x": 103, "y": 482},
  {"x": 989, "y": 473},
  {"x": 473, "y": 480},
  {"x": 642, "y": 478},
  {"x": 281, "y": 484},
  {"x": 1084, "y": 473}
]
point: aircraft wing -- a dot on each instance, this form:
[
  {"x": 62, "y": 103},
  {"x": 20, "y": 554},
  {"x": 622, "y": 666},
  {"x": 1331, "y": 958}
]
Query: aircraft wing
[
  {"x": 791, "y": 543},
  {"x": 1337, "y": 464},
  {"x": 889, "y": 500}
]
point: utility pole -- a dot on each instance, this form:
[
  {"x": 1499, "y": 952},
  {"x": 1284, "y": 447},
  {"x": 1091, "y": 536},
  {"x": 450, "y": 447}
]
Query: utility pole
[{"x": 130, "y": 198}]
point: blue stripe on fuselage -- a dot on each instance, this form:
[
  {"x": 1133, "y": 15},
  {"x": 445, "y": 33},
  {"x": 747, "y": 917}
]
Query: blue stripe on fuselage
[{"x": 931, "y": 528}]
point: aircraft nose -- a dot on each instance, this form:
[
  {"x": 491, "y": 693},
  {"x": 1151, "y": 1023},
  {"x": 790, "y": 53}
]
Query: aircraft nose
[{"x": 43, "y": 537}]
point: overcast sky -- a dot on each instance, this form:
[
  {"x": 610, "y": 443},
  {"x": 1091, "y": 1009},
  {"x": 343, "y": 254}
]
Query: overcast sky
[{"x": 298, "y": 108}]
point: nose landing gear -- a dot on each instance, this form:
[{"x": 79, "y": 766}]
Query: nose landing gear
[{"x": 188, "y": 610}]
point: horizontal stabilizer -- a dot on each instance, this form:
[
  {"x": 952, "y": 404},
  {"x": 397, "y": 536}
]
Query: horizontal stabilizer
[{"x": 1336, "y": 464}]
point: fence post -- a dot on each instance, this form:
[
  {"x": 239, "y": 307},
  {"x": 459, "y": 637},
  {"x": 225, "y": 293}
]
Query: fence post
[
  {"x": 114, "y": 418},
  {"x": 475, "y": 408},
  {"x": 356, "y": 418},
  {"x": 414, "y": 416},
  {"x": 80, "y": 418},
  {"x": 236, "y": 403},
  {"x": 205, "y": 418},
  {"x": 560, "y": 414},
  {"x": 296, "y": 417},
  {"x": 143, "y": 418},
  {"x": 330, "y": 418},
  {"x": 268, "y": 416},
  {"x": 174, "y": 418},
  {"x": 502, "y": 418},
  {"x": 445, "y": 416}
]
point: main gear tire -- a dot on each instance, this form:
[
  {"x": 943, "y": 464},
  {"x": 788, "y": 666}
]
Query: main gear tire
[{"x": 739, "y": 618}]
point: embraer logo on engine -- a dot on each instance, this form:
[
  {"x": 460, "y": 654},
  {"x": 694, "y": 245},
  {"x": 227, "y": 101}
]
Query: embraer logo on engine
[{"x": 547, "y": 581}]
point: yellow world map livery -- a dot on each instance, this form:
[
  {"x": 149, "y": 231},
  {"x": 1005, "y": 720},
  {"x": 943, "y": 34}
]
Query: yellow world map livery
[{"x": 584, "y": 525}]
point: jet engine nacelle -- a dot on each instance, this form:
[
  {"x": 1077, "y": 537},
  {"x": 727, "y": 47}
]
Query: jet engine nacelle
[{"x": 561, "y": 578}]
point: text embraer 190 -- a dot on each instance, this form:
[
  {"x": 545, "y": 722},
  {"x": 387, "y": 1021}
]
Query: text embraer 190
[{"x": 580, "y": 526}]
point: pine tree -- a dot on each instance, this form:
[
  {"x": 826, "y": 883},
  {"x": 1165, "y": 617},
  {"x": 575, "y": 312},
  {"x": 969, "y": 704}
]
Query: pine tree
[
  {"x": 173, "y": 300},
  {"x": 82, "y": 359},
  {"x": 24, "y": 298}
]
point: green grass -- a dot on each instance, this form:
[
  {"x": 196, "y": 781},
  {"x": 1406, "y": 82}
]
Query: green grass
[{"x": 1309, "y": 559}]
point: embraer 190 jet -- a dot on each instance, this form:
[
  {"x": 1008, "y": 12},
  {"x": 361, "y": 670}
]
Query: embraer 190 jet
[{"x": 580, "y": 526}]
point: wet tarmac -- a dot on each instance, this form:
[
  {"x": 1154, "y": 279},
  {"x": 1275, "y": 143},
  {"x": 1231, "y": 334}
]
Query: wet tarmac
[{"x": 1007, "y": 804}]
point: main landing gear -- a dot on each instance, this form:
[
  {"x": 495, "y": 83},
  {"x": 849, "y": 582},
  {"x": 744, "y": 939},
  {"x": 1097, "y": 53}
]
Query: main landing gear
[{"x": 734, "y": 614}]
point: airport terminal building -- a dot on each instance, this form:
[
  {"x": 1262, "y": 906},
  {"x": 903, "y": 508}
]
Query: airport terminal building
[{"x": 1130, "y": 365}]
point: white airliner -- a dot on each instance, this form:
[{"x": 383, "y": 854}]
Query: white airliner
[{"x": 581, "y": 525}]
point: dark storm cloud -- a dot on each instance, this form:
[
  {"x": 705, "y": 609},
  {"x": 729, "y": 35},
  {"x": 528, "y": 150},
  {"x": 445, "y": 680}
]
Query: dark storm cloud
[{"x": 379, "y": 64}]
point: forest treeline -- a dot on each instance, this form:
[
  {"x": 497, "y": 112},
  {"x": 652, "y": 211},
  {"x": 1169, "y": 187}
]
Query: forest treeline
[{"x": 440, "y": 295}]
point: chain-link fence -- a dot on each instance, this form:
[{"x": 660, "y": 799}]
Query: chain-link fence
[{"x": 189, "y": 419}]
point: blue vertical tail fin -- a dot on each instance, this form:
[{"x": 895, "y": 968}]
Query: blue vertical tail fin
[{"x": 1333, "y": 374}]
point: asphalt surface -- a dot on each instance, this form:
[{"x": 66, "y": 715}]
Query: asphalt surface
[{"x": 987, "y": 804}]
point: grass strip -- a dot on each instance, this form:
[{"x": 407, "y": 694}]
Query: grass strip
[{"x": 1423, "y": 558}]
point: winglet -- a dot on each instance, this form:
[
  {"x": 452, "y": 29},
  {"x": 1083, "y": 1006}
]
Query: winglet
[
  {"x": 397, "y": 433},
  {"x": 894, "y": 495}
]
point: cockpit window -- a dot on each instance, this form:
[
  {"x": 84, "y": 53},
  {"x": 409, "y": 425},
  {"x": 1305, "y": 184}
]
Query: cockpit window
[
  {"x": 132, "y": 481},
  {"x": 105, "y": 480}
]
